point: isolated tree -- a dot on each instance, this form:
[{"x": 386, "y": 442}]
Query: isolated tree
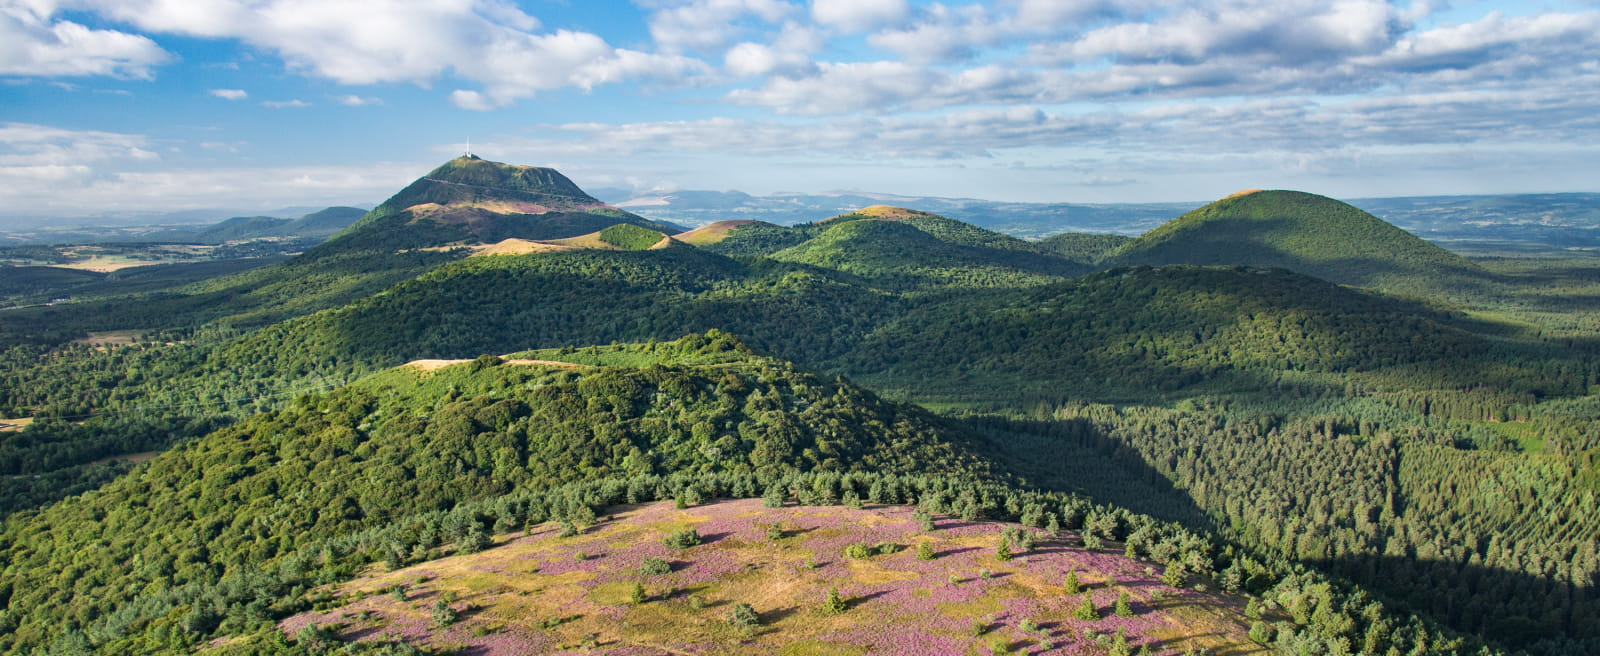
[
  {"x": 1123, "y": 608},
  {"x": 1086, "y": 609},
  {"x": 1071, "y": 585},
  {"x": 925, "y": 551},
  {"x": 638, "y": 596},
  {"x": 834, "y": 604}
]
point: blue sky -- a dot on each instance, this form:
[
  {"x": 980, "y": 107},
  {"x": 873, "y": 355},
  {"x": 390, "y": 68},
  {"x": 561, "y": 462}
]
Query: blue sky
[{"x": 111, "y": 106}]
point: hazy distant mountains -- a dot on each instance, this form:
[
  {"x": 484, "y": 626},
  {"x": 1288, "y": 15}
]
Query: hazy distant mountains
[{"x": 1537, "y": 221}]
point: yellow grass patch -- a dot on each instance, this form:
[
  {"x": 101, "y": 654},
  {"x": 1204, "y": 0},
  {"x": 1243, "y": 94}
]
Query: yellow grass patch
[
  {"x": 710, "y": 234},
  {"x": 516, "y": 246},
  {"x": 109, "y": 338},
  {"x": 890, "y": 212},
  {"x": 109, "y": 263},
  {"x": 1242, "y": 192},
  {"x": 591, "y": 240},
  {"x": 868, "y": 572},
  {"x": 435, "y": 364},
  {"x": 15, "y": 424},
  {"x": 984, "y": 605},
  {"x": 615, "y": 593},
  {"x": 820, "y": 648}
]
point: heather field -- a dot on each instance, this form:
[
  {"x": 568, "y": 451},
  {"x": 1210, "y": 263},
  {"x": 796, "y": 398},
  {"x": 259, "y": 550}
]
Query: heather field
[{"x": 539, "y": 593}]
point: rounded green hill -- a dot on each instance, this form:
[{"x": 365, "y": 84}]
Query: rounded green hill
[{"x": 1310, "y": 234}]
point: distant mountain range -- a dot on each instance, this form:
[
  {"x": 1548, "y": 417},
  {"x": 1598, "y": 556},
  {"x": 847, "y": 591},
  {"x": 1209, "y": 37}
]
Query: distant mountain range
[{"x": 1515, "y": 221}]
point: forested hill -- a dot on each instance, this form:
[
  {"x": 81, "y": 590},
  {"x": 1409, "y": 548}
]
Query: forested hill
[
  {"x": 472, "y": 200},
  {"x": 1311, "y": 234},
  {"x": 112, "y": 565}
]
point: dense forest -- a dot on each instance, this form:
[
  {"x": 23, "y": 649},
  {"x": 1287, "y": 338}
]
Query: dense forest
[{"x": 1398, "y": 471}]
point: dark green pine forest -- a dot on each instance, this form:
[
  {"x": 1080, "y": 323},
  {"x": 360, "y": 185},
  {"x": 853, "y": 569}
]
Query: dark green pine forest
[{"x": 1276, "y": 394}]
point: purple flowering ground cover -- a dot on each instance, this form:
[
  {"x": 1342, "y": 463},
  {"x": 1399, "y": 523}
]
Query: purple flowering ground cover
[{"x": 542, "y": 594}]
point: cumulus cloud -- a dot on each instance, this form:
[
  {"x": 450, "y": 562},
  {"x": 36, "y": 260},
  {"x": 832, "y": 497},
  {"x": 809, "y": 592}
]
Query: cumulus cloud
[
  {"x": 703, "y": 25},
  {"x": 790, "y": 53},
  {"x": 943, "y": 34},
  {"x": 858, "y": 15},
  {"x": 230, "y": 94},
  {"x": 32, "y": 44},
  {"x": 491, "y": 42}
]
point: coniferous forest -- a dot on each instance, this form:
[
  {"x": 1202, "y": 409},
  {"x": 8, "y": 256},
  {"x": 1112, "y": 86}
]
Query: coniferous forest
[{"x": 1388, "y": 447}]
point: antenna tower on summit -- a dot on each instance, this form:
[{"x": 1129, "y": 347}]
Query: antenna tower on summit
[{"x": 468, "y": 152}]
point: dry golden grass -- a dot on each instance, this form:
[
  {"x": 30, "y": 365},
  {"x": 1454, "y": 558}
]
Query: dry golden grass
[
  {"x": 430, "y": 364},
  {"x": 516, "y": 246},
  {"x": 890, "y": 212},
  {"x": 710, "y": 234},
  {"x": 109, "y": 338},
  {"x": 15, "y": 424}
]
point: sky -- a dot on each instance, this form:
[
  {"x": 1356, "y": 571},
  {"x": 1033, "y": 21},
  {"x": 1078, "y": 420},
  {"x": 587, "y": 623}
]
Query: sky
[{"x": 119, "y": 106}]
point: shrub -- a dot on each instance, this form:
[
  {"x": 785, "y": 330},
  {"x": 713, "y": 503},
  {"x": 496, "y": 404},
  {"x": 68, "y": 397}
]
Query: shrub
[
  {"x": 1028, "y": 625},
  {"x": 443, "y": 614},
  {"x": 858, "y": 551},
  {"x": 655, "y": 567},
  {"x": 925, "y": 551},
  {"x": 743, "y": 616},
  {"x": 683, "y": 539},
  {"x": 638, "y": 595},
  {"x": 834, "y": 604},
  {"x": 1262, "y": 632}
]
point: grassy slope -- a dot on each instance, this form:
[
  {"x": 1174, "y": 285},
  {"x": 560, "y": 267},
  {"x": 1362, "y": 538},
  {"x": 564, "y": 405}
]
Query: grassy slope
[
  {"x": 1311, "y": 234},
  {"x": 508, "y": 593}
]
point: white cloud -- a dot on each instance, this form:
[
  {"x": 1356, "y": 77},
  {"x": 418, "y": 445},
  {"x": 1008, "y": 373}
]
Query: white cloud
[
  {"x": 53, "y": 171},
  {"x": 32, "y": 145},
  {"x": 789, "y": 54},
  {"x": 702, "y": 25},
  {"x": 1282, "y": 30},
  {"x": 280, "y": 104},
  {"x": 352, "y": 100},
  {"x": 858, "y": 15},
  {"x": 490, "y": 42},
  {"x": 230, "y": 94},
  {"x": 942, "y": 34},
  {"x": 32, "y": 44}
]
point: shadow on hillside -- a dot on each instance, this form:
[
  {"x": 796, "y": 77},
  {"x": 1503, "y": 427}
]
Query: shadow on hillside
[
  {"x": 1514, "y": 608},
  {"x": 1074, "y": 456}
]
